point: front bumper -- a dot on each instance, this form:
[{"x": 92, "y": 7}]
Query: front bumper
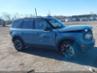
[{"x": 87, "y": 45}]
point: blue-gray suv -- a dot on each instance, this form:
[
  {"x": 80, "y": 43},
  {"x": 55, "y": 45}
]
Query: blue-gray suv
[{"x": 49, "y": 32}]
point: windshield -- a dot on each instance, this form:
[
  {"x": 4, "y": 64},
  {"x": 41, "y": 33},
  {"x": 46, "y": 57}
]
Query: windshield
[{"x": 56, "y": 23}]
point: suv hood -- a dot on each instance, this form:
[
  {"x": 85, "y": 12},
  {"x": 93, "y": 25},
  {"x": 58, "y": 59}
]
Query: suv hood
[{"x": 75, "y": 28}]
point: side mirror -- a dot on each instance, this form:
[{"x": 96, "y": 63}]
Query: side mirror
[{"x": 48, "y": 29}]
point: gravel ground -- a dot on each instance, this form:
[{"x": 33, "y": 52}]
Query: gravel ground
[{"x": 42, "y": 60}]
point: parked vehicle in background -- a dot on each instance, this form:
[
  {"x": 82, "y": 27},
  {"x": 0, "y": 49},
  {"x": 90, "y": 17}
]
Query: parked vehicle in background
[
  {"x": 48, "y": 32},
  {"x": 2, "y": 23}
]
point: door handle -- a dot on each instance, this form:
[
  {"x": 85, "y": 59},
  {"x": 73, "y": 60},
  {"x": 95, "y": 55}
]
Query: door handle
[{"x": 43, "y": 36}]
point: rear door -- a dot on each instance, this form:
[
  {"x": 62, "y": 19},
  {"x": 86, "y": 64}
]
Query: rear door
[
  {"x": 44, "y": 38},
  {"x": 28, "y": 31}
]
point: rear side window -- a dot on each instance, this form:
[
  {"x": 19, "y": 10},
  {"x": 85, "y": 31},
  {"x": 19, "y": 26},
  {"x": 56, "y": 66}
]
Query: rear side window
[
  {"x": 17, "y": 24},
  {"x": 28, "y": 24}
]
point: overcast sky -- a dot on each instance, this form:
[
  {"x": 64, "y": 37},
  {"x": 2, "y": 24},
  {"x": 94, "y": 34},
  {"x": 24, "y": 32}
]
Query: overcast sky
[{"x": 45, "y": 7}]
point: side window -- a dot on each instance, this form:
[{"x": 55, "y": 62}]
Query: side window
[
  {"x": 41, "y": 24},
  {"x": 17, "y": 24},
  {"x": 27, "y": 24}
]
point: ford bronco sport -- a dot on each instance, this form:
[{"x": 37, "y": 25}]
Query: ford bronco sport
[{"x": 49, "y": 32}]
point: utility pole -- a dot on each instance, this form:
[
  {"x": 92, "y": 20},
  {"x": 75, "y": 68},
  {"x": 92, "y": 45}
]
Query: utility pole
[
  {"x": 49, "y": 13},
  {"x": 35, "y": 11}
]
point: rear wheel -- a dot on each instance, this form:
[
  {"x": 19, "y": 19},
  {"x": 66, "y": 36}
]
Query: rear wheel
[
  {"x": 18, "y": 43},
  {"x": 67, "y": 49}
]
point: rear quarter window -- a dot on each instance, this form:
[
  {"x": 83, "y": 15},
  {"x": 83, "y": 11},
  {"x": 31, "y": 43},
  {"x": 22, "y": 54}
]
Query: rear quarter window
[{"x": 17, "y": 24}]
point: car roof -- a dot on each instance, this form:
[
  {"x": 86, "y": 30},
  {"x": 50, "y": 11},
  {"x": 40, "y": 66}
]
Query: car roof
[{"x": 31, "y": 18}]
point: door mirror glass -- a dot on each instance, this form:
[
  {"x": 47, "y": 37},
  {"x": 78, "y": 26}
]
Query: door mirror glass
[{"x": 48, "y": 29}]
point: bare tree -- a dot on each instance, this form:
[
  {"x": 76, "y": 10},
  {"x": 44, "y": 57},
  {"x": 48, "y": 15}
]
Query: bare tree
[{"x": 7, "y": 19}]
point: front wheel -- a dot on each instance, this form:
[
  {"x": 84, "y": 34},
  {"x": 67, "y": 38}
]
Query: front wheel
[{"x": 67, "y": 49}]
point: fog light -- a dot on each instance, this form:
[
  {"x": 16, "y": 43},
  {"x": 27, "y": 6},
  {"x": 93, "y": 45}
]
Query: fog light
[{"x": 88, "y": 36}]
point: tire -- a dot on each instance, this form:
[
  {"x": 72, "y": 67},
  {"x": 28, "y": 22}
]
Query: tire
[
  {"x": 67, "y": 49},
  {"x": 18, "y": 44}
]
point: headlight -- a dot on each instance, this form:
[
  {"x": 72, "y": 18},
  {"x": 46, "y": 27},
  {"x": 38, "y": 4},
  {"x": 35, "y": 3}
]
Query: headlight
[
  {"x": 88, "y": 36},
  {"x": 86, "y": 30}
]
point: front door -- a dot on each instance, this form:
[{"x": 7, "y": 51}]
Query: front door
[{"x": 44, "y": 37}]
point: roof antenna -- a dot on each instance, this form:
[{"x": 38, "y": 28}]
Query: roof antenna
[{"x": 35, "y": 11}]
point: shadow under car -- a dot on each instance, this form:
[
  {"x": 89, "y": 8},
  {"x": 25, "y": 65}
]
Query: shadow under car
[{"x": 89, "y": 58}]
